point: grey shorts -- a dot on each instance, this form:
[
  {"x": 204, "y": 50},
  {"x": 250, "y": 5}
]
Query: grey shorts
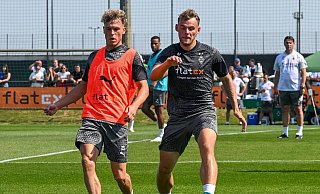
[
  {"x": 114, "y": 138},
  {"x": 159, "y": 98},
  {"x": 290, "y": 98},
  {"x": 156, "y": 98},
  {"x": 179, "y": 130}
]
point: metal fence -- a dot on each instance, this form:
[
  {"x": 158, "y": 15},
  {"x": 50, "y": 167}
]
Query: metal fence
[{"x": 232, "y": 26}]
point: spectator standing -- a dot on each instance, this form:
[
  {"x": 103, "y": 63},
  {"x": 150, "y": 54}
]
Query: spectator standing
[
  {"x": 265, "y": 89},
  {"x": 63, "y": 76},
  {"x": 76, "y": 75},
  {"x": 189, "y": 65},
  {"x": 237, "y": 66},
  {"x": 290, "y": 81},
  {"x": 36, "y": 77},
  {"x": 109, "y": 83},
  {"x": 51, "y": 77},
  {"x": 5, "y": 76},
  {"x": 55, "y": 65},
  {"x": 33, "y": 67},
  {"x": 240, "y": 87},
  {"x": 157, "y": 91}
]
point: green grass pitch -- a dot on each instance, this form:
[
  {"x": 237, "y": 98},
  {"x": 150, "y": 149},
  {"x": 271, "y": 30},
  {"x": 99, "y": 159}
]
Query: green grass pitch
[{"x": 38, "y": 155}]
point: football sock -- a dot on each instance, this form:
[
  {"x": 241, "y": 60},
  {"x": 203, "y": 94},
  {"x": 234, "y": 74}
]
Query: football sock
[
  {"x": 161, "y": 132},
  {"x": 286, "y": 130},
  {"x": 299, "y": 132},
  {"x": 209, "y": 188}
]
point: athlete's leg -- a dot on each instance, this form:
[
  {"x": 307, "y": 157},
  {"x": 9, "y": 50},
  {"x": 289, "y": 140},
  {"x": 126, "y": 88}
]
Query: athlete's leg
[
  {"x": 209, "y": 168},
  {"x": 164, "y": 177},
  {"x": 89, "y": 155},
  {"x": 299, "y": 113},
  {"x": 146, "y": 107},
  {"x": 121, "y": 176},
  {"x": 159, "y": 112},
  {"x": 285, "y": 115}
]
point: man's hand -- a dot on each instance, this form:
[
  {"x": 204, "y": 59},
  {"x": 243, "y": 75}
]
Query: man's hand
[
  {"x": 131, "y": 113},
  {"x": 174, "y": 61},
  {"x": 239, "y": 115},
  {"x": 51, "y": 109}
]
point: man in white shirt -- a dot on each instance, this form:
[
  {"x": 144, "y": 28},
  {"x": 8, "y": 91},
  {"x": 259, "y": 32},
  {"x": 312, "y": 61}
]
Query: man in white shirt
[
  {"x": 265, "y": 90},
  {"x": 290, "y": 80},
  {"x": 36, "y": 78}
]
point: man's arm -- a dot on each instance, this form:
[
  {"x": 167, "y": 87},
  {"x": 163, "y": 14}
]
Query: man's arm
[
  {"x": 161, "y": 70},
  {"x": 231, "y": 93},
  {"x": 143, "y": 92},
  {"x": 276, "y": 81},
  {"x": 75, "y": 94}
]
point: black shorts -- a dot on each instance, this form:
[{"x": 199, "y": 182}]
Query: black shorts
[
  {"x": 179, "y": 130},
  {"x": 114, "y": 138},
  {"x": 266, "y": 106},
  {"x": 292, "y": 98}
]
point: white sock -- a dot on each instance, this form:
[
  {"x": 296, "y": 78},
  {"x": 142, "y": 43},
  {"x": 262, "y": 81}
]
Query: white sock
[
  {"x": 165, "y": 193},
  {"x": 292, "y": 120},
  {"x": 132, "y": 191},
  {"x": 161, "y": 132},
  {"x": 209, "y": 188},
  {"x": 286, "y": 130},
  {"x": 299, "y": 132},
  {"x": 131, "y": 124}
]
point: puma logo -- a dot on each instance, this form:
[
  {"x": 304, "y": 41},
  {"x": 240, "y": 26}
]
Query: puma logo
[{"x": 102, "y": 77}]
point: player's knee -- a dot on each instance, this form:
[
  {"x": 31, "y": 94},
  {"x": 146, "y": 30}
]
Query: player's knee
[
  {"x": 121, "y": 178},
  {"x": 87, "y": 163},
  {"x": 163, "y": 170}
]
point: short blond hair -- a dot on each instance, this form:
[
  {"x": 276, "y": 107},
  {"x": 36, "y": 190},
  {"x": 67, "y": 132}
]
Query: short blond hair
[
  {"x": 188, "y": 14},
  {"x": 113, "y": 14}
]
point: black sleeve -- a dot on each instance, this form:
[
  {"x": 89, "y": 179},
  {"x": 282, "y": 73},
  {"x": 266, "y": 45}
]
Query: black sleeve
[
  {"x": 89, "y": 61},
  {"x": 138, "y": 70},
  {"x": 167, "y": 52},
  {"x": 219, "y": 65}
]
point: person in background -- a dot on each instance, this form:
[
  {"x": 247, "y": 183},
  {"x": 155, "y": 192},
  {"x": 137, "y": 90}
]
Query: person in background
[
  {"x": 265, "y": 89},
  {"x": 37, "y": 78},
  {"x": 55, "y": 65},
  {"x": 240, "y": 88},
  {"x": 63, "y": 76},
  {"x": 76, "y": 75},
  {"x": 189, "y": 66},
  {"x": 39, "y": 63},
  {"x": 237, "y": 66},
  {"x": 290, "y": 81},
  {"x": 51, "y": 77},
  {"x": 157, "y": 91},
  {"x": 5, "y": 76},
  {"x": 109, "y": 83}
]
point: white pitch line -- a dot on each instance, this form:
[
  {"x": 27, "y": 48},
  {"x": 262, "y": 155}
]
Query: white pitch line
[
  {"x": 265, "y": 131},
  {"x": 144, "y": 140},
  {"x": 36, "y": 156},
  {"x": 54, "y": 153}
]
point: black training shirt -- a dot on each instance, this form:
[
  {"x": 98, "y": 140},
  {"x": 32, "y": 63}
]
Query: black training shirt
[{"x": 190, "y": 83}]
